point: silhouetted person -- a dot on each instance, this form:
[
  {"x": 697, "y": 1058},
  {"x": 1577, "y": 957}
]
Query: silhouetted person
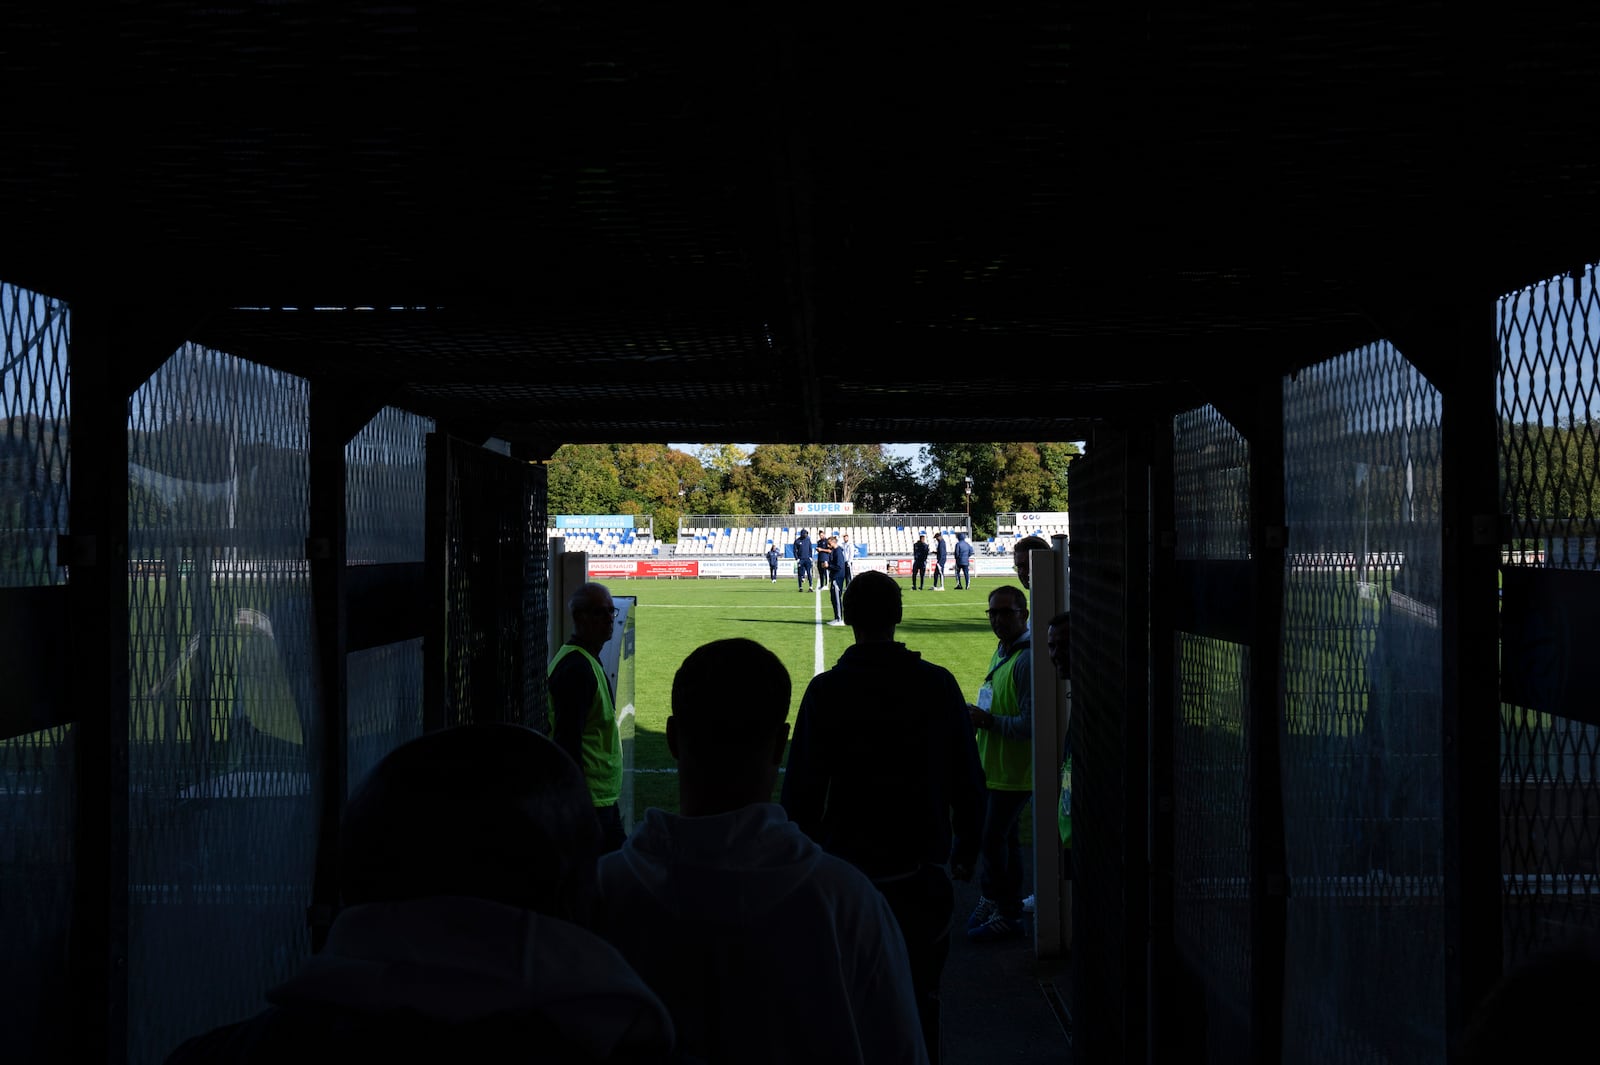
[
  {"x": 883, "y": 765},
  {"x": 467, "y": 870},
  {"x": 1019, "y": 556},
  {"x": 1539, "y": 1011},
  {"x": 583, "y": 715},
  {"x": 764, "y": 948}
]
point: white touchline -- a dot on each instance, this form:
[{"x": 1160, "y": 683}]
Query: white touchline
[{"x": 817, "y": 658}]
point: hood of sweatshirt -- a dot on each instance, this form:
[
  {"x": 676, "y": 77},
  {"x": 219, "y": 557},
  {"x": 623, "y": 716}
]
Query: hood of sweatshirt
[
  {"x": 459, "y": 959},
  {"x": 728, "y": 868}
]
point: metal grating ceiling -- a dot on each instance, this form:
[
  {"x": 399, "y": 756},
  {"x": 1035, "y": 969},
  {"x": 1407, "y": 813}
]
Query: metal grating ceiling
[{"x": 616, "y": 221}]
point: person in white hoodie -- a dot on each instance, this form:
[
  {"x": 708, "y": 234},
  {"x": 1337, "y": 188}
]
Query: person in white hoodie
[
  {"x": 467, "y": 869},
  {"x": 764, "y": 947}
]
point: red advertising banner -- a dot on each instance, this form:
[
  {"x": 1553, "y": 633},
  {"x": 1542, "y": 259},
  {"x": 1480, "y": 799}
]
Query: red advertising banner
[
  {"x": 650, "y": 567},
  {"x": 901, "y": 566},
  {"x": 612, "y": 567}
]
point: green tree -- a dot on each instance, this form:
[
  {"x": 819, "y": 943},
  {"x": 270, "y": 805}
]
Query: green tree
[
  {"x": 786, "y": 474},
  {"x": 584, "y": 480},
  {"x": 846, "y": 466}
]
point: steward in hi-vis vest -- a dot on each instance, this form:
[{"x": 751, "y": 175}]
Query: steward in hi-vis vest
[
  {"x": 599, "y": 743},
  {"x": 1003, "y": 716},
  {"x": 583, "y": 718}
]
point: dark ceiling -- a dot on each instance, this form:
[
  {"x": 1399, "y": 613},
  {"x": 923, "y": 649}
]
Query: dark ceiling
[{"x": 646, "y": 221}]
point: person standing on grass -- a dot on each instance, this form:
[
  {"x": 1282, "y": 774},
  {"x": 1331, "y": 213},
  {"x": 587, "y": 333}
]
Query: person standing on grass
[
  {"x": 941, "y": 558},
  {"x": 583, "y": 715},
  {"x": 963, "y": 553},
  {"x": 836, "y": 563},
  {"x": 764, "y": 947},
  {"x": 802, "y": 561},
  {"x": 1003, "y": 717},
  {"x": 773, "y": 554},
  {"x": 919, "y": 562},
  {"x": 883, "y": 771}
]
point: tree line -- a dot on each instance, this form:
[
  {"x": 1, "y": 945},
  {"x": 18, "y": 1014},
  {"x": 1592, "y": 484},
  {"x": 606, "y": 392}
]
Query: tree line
[{"x": 654, "y": 481}]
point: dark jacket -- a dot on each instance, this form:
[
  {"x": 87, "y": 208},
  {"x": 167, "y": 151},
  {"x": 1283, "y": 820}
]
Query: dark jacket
[
  {"x": 802, "y": 548},
  {"x": 451, "y": 979},
  {"x": 919, "y": 551},
  {"x": 883, "y": 763}
]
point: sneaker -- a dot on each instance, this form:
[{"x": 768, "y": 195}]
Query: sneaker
[
  {"x": 997, "y": 928},
  {"x": 837, "y": 621},
  {"x": 981, "y": 914},
  {"x": 1027, "y": 904}
]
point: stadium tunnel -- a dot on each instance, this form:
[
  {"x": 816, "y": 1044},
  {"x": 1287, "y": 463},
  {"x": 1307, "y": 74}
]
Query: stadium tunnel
[{"x": 296, "y": 298}]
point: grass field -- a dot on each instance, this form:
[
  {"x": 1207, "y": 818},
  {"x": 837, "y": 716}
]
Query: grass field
[{"x": 675, "y": 617}]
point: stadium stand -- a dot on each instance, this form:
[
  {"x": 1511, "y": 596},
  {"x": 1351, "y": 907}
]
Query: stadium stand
[
  {"x": 617, "y": 539},
  {"x": 874, "y": 535}
]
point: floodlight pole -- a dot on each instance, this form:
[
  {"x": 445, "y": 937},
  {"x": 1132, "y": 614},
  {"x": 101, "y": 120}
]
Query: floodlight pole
[{"x": 969, "y": 503}]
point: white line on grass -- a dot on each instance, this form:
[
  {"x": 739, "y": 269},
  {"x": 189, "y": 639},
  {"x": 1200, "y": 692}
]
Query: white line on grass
[{"x": 816, "y": 663}]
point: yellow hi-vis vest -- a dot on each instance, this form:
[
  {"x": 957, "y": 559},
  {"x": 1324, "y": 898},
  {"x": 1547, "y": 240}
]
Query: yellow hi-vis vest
[
  {"x": 1007, "y": 764},
  {"x": 602, "y": 742}
]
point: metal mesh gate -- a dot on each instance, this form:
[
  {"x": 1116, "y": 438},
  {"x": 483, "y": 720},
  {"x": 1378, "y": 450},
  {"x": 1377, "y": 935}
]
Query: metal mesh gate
[
  {"x": 385, "y": 491},
  {"x": 223, "y": 758},
  {"x": 1361, "y": 729},
  {"x": 37, "y": 767},
  {"x": 1211, "y": 785},
  {"x": 488, "y": 556},
  {"x": 1549, "y": 407}
]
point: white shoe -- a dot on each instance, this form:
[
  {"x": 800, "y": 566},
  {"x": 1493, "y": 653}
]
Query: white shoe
[
  {"x": 1027, "y": 904},
  {"x": 837, "y": 621}
]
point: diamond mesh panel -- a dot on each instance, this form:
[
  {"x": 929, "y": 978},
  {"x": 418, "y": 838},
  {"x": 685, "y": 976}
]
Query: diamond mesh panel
[
  {"x": 222, "y": 765},
  {"x": 36, "y": 769},
  {"x": 1100, "y": 970},
  {"x": 495, "y": 555},
  {"x": 33, "y": 436},
  {"x": 1211, "y": 478},
  {"x": 1549, "y": 404},
  {"x": 1361, "y": 729},
  {"x": 385, "y": 487}
]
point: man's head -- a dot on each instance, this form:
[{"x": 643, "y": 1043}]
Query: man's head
[
  {"x": 1019, "y": 555},
  {"x": 592, "y": 613},
  {"x": 487, "y": 811},
  {"x": 922, "y": 536},
  {"x": 961, "y": 536},
  {"x": 730, "y": 709},
  {"x": 1008, "y": 612},
  {"x": 1058, "y": 641},
  {"x": 872, "y": 606}
]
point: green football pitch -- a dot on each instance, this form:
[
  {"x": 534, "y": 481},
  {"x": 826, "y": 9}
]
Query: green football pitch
[{"x": 673, "y": 617}]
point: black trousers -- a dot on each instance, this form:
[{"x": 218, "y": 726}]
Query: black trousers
[
  {"x": 923, "y": 903},
  {"x": 612, "y": 836}
]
